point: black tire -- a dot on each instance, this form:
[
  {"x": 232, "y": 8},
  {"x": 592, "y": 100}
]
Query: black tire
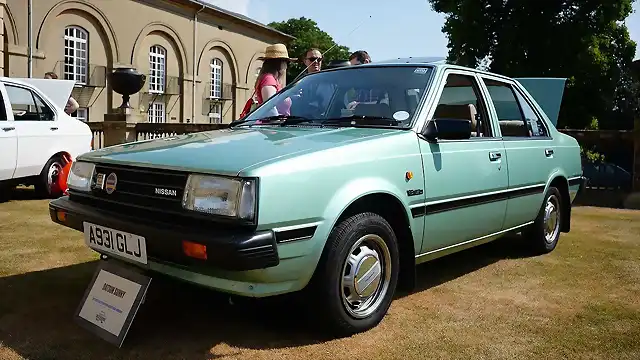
[
  {"x": 42, "y": 186},
  {"x": 5, "y": 191},
  {"x": 540, "y": 240},
  {"x": 329, "y": 303}
]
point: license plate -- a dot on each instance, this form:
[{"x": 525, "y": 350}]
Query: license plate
[{"x": 123, "y": 244}]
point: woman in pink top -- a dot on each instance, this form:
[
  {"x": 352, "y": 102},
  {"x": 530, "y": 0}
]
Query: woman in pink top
[{"x": 271, "y": 77}]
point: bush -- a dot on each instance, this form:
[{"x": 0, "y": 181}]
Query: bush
[{"x": 591, "y": 156}]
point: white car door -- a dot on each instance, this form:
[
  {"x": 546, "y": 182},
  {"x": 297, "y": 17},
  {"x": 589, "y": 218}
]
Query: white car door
[
  {"x": 8, "y": 142},
  {"x": 36, "y": 129}
]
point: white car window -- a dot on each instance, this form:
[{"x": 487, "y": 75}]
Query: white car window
[{"x": 27, "y": 106}]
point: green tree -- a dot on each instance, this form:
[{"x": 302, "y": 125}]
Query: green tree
[
  {"x": 308, "y": 35},
  {"x": 585, "y": 41}
]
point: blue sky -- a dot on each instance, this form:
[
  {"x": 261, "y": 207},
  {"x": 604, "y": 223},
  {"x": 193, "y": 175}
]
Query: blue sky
[{"x": 387, "y": 29}]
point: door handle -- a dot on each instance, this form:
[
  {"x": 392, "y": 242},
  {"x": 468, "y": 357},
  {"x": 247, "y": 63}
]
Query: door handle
[
  {"x": 53, "y": 128},
  {"x": 548, "y": 152},
  {"x": 494, "y": 155},
  {"x": 9, "y": 128}
]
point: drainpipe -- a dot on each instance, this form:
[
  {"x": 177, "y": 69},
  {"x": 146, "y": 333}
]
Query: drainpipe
[
  {"x": 30, "y": 40},
  {"x": 195, "y": 46}
]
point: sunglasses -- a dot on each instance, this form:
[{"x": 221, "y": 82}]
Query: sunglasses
[{"x": 319, "y": 59}]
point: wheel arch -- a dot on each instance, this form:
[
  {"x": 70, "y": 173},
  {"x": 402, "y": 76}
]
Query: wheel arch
[
  {"x": 392, "y": 209},
  {"x": 560, "y": 182},
  {"x": 62, "y": 153}
]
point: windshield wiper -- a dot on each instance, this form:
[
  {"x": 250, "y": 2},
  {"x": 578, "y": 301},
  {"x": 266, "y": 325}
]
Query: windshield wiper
[
  {"x": 284, "y": 120},
  {"x": 361, "y": 120}
]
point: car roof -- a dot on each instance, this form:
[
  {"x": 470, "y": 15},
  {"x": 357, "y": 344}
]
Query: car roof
[
  {"x": 426, "y": 60},
  {"x": 414, "y": 60}
]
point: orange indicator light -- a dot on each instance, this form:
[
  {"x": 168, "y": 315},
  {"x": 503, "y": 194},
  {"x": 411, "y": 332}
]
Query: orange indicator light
[
  {"x": 61, "y": 216},
  {"x": 194, "y": 250},
  {"x": 409, "y": 175}
]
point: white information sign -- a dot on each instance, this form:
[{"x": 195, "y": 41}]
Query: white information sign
[{"x": 112, "y": 300}]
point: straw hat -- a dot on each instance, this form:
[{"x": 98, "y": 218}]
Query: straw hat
[{"x": 276, "y": 51}]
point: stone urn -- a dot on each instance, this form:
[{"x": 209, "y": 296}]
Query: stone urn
[{"x": 126, "y": 81}]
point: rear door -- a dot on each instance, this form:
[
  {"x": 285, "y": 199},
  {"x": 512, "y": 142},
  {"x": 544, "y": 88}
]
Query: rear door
[
  {"x": 36, "y": 128},
  {"x": 464, "y": 179},
  {"x": 529, "y": 149},
  {"x": 8, "y": 140}
]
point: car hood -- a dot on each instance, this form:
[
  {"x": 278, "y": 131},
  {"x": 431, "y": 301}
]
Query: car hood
[{"x": 229, "y": 151}]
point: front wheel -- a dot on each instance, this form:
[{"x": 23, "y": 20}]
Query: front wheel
[
  {"x": 48, "y": 184},
  {"x": 544, "y": 233},
  {"x": 357, "y": 277}
]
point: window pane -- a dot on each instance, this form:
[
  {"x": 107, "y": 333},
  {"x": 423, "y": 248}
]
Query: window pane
[
  {"x": 44, "y": 111},
  {"x": 156, "y": 69},
  {"x": 22, "y": 103},
  {"x": 460, "y": 100},
  {"x": 347, "y": 91},
  {"x": 82, "y": 114},
  {"x": 75, "y": 54},
  {"x": 155, "y": 113},
  {"x": 509, "y": 116},
  {"x": 534, "y": 123}
]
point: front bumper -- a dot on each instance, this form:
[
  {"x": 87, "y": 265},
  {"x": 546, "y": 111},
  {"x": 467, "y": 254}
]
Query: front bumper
[{"x": 227, "y": 249}]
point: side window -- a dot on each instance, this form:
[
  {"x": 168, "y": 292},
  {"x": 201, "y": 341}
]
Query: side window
[
  {"x": 26, "y": 106},
  {"x": 413, "y": 98},
  {"x": 461, "y": 99},
  {"x": 515, "y": 115},
  {"x": 534, "y": 123},
  {"x": 44, "y": 112}
]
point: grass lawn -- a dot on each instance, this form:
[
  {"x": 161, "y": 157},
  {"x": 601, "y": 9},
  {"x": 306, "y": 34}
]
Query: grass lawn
[{"x": 494, "y": 302}]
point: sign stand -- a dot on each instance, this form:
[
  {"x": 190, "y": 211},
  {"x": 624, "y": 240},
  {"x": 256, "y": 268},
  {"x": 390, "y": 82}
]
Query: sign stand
[{"x": 111, "y": 301}]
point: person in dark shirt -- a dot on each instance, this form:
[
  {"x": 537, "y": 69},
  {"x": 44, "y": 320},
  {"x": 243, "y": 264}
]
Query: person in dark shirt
[{"x": 359, "y": 57}]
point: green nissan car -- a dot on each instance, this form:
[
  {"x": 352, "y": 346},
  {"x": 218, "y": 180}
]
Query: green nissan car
[{"x": 337, "y": 186}]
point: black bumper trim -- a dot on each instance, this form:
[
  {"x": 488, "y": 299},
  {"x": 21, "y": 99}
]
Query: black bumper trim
[
  {"x": 229, "y": 249},
  {"x": 296, "y": 234}
]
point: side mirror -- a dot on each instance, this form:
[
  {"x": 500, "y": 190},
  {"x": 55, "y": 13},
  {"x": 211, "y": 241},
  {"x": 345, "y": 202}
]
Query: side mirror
[{"x": 447, "y": 129}]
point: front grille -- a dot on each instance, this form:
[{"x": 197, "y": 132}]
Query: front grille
[{"x": 150, "y": 188}]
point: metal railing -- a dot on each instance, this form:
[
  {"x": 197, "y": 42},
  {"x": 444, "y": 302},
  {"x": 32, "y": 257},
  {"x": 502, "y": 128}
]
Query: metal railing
[
  {"x": 87, "y": 75},
  {"x": 226, "y": 92},
  {"x": 172, "y": 86}
]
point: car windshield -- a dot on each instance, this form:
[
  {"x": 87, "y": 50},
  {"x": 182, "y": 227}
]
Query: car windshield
[{"x": 386, "y": 96}]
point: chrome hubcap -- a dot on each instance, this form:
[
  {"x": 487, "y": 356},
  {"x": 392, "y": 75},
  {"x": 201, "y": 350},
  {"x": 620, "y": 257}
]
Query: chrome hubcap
[
  {"x": 52, "y": 175},
  {"x": 366, "y": 275},
  {"x": 551, "y": 218}
]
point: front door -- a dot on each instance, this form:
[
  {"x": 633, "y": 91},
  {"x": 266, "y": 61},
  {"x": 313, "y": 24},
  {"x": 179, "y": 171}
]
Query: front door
[
  {"x": 8, "y": 149},
  {"x": 529, "y": 150},
  {"x": 463, "y": 178},
  {"x": 36, "y": 129},
  {"x": 8, "y": 143}
]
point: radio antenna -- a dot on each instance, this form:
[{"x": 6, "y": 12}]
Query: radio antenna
[{"x": 334, "y": 45}]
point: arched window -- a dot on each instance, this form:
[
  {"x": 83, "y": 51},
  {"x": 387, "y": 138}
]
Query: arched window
[
  {"x": 76, "y": 54},
  {"x": 216, "y": 78},
  {"x": 157, "y": 69}
]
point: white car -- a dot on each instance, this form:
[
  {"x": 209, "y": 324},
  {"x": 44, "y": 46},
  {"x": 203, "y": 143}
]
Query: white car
[{"x": 36, "y": 135}]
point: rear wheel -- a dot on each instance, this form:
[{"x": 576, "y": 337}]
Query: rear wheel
[
  {"x": 357, "y": 277},
  {"x": 48, "y": 183},
  {"x": 544, "y": 233}
]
